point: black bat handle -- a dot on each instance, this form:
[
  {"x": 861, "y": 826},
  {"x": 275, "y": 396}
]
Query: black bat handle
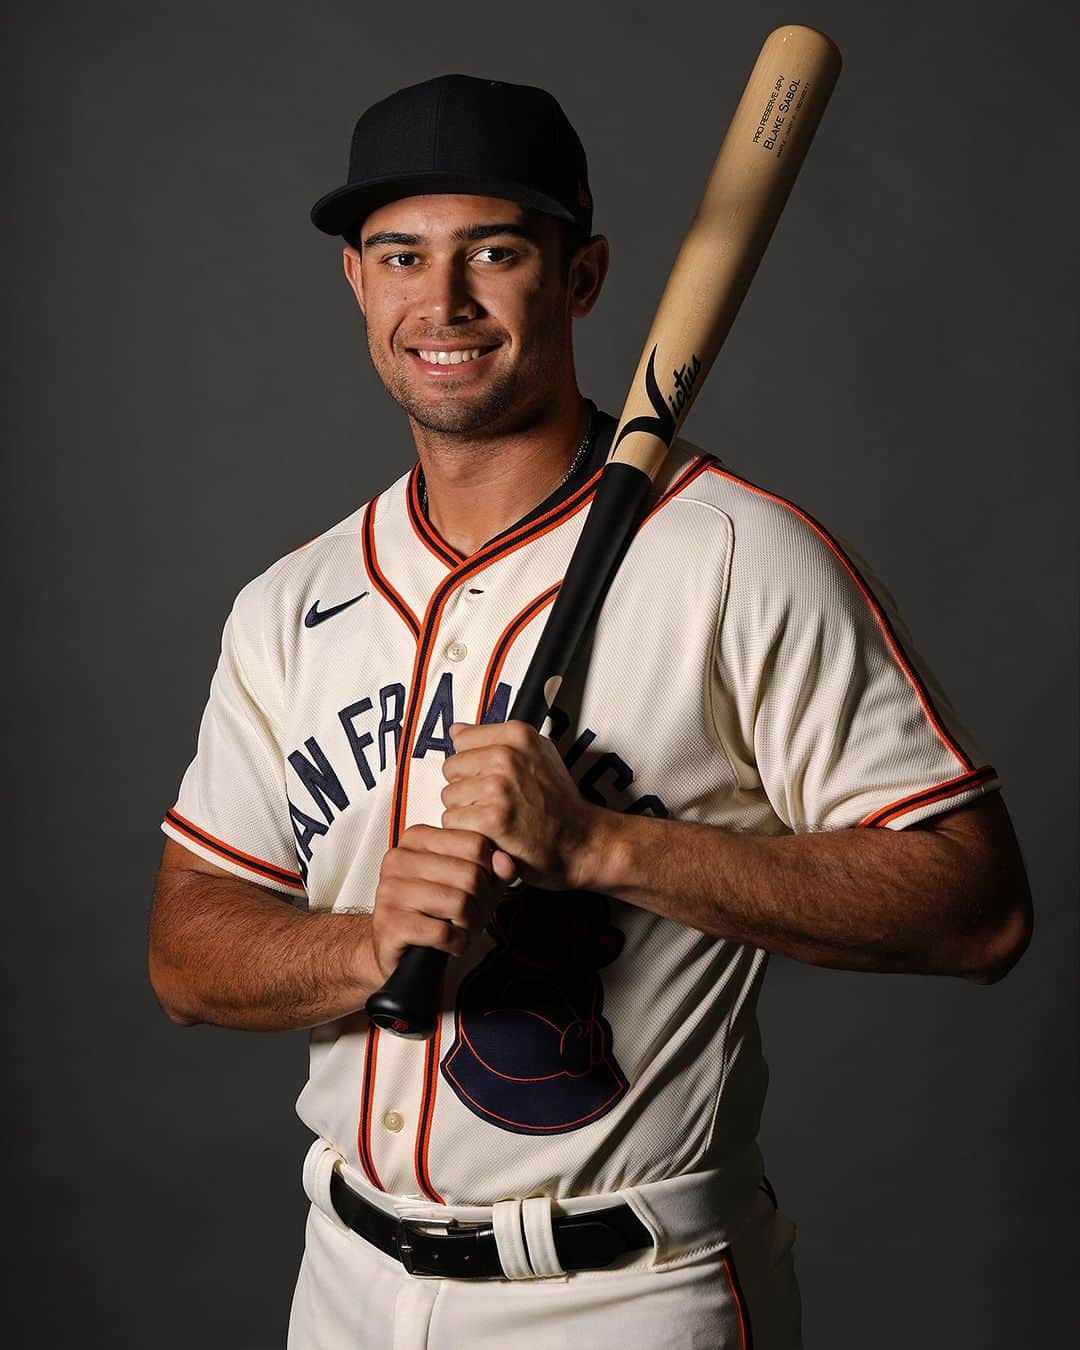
[{"x": 408, "y": 1004}]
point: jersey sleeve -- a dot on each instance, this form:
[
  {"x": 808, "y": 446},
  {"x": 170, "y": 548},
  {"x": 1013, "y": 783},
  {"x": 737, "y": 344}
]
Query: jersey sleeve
[
  {"x": 839, "y": 716},
  {"x": 232, "y": 809}
]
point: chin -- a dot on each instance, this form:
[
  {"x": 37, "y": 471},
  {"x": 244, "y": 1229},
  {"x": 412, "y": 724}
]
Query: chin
[
  {"x": 450, "y": 416},
  {"x": 457, "y": 412}
]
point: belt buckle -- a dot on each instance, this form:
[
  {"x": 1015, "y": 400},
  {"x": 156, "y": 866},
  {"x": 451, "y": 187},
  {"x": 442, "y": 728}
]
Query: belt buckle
[
  {"x": 407, "y": 1227},
  {"x": 417, "y": 1225}
]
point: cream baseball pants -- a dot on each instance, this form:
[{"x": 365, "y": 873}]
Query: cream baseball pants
[{"x": 706, "y": 1282}]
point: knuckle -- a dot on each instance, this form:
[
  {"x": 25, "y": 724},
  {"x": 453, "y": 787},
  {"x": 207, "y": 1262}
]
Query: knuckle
[
  {"x": 416, "y": 834},
  {"x": 394, "y": 898},
  {"x": 395, "y": 866},
  {"x": 519, "y": 734},
  {"x": 481, "y": 849}
]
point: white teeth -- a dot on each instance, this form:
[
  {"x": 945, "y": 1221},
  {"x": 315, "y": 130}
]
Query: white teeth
[{"x": 449, "y": 358}]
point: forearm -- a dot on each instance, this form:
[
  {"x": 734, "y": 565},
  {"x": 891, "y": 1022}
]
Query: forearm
[
  {"x": 225, "y": 952},
  {"x": 872, "y": 899}
]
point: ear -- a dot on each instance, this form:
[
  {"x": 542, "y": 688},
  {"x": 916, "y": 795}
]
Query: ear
[
  {"x": 350, "y": 260},
  {"x": 588, "y": 268}
]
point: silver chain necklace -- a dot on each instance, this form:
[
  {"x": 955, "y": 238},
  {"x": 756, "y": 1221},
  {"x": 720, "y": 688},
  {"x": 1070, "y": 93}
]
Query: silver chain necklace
[{"x": 582, "y": 451}]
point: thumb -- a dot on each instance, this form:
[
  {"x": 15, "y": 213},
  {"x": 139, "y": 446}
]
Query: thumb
[{"x": 504, "y": 867}]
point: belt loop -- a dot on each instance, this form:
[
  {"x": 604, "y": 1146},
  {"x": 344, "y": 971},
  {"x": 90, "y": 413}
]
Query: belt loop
[
  {"x": 319, "y": 1166},
  {"x": 510, "y": 1240},
  {"x": 539, "y": 1239}
]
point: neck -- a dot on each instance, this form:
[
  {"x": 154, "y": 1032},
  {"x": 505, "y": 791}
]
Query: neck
[{"x": 479, "y": 485}]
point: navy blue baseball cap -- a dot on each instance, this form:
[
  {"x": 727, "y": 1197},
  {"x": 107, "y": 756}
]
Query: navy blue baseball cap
[{"x": 460, "y": 134}]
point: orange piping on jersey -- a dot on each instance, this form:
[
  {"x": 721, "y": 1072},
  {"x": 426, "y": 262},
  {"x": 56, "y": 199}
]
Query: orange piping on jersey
[
  {"x": 506, "y": 640},
  {"x": 233, "y": 854},
  {"x": 509, "y": 635},
  {"x": 952, "y": 787},
  {"x": 423, "y": 528},
  {"x": 401, "y": 773},
  {"x": 879, "y": 614},
  {"x": 427, "y": 1115},
  {"x": 746, "y": 1340},
  {"x": 484, "y": 558},
  {"x": 425, "y": 643},
  {"x": 363, "y": 1133},
  {"x": 400, "y": 768},
  {"x": 377, "y": 577},
  {"x": 425, "y": 638},
  {"x": 438, "y": 545},
  {"x": 507, "y": 543},
  {"x": 685, "y": 478}
]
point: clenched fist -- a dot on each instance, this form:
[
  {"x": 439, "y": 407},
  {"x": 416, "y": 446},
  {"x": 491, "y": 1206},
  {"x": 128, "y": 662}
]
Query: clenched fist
[
  {"x": 508, "y": 783},
  {"x": 437, "y": 888}
]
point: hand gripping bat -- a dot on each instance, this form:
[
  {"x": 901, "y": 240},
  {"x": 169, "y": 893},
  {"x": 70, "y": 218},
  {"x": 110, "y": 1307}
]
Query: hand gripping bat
[{"x": 746, "y": 191}]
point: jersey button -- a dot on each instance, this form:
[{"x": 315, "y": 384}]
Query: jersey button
[
  {"x": 457, "y": 651},
  {"x": 394, "y": 1120}
]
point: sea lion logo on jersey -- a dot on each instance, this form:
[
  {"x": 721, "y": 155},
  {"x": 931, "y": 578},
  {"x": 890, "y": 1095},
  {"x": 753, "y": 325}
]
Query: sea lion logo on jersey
[{"x": 531, "y": 1051}]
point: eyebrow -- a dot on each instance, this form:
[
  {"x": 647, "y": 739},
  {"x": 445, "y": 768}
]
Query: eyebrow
[{"x": 463, "y": 234}]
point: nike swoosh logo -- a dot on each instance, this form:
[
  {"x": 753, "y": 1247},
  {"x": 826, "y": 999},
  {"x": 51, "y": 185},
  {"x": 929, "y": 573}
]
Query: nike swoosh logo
[{"x": 315, "y": 615}]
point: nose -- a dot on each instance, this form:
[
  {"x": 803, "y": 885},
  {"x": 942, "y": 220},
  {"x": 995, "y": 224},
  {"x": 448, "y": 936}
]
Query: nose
[{"x": 446, "y": 299}]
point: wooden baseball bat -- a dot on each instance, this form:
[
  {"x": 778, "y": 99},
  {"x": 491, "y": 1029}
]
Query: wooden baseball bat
[{"x": 746, "y": 191}]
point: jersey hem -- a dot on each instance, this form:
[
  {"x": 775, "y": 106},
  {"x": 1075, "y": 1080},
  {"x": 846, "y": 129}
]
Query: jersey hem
[
  {"x": 214, "y": 850},
  {"x": 928, "y": 802}
]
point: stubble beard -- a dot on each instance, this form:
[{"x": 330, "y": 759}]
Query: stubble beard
[{"x": 508, "y": 401}]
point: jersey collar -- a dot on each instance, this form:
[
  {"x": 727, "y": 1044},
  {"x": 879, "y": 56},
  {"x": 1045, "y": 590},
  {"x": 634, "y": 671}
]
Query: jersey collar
[{"x": 603, "y": 429}]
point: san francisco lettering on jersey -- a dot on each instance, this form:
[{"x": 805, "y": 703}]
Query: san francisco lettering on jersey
[{"x": 330, "y": 787}]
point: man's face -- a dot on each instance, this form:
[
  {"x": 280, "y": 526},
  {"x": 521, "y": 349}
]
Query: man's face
[{"x": 468, "y": 309}]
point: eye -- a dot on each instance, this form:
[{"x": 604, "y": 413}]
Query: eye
[
  {"x": 400, "y": 261},
  {"x": 503, "y": 253}
]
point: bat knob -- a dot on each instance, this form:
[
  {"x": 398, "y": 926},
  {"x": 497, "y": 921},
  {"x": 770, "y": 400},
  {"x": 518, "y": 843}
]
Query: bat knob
[{"x": 410, "y": 1002}]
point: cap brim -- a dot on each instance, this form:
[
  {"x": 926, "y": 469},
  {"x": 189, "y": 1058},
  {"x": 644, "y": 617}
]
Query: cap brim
[{"x": 344, "y": 209}]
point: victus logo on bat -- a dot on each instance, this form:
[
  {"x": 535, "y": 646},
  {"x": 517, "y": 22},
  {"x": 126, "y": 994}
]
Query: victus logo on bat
[{"x": 663, "y": 425}]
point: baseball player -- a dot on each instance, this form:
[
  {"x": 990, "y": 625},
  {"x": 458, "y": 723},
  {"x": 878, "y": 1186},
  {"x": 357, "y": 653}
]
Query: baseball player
[{"x": 748, "y": 757}]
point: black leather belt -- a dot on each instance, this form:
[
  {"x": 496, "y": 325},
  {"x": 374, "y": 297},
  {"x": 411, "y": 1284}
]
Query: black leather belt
[{"x": 462, "y": 1251}]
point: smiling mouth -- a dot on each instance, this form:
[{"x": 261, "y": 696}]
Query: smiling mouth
[{"x": 459, "y": 357}]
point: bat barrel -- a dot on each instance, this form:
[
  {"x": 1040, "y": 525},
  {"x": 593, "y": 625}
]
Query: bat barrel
[{"x": 747, "y": 188}]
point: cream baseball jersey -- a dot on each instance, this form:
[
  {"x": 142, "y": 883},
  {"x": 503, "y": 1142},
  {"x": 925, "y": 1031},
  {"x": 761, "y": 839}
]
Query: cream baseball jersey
[{"x": 745, "y": 671}]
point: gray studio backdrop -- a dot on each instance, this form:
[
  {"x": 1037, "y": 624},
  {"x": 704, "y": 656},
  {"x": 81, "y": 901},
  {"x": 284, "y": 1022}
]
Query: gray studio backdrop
[{"x": 193, "y": 400}]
